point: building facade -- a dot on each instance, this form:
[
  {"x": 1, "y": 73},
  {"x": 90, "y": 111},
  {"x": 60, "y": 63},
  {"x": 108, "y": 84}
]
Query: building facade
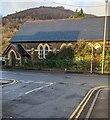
[{"x": 38, "y": 38}]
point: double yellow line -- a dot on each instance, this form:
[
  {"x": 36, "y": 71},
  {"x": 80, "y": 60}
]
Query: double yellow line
[{"x": 75, "y": 115}]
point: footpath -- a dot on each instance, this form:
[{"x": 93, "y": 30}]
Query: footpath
[{"x": 102, "y": 105}]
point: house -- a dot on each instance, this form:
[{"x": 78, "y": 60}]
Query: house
[{"x": 37, "y": 38}]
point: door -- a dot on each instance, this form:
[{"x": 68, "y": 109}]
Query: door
[{"x": 12, "y": 59}]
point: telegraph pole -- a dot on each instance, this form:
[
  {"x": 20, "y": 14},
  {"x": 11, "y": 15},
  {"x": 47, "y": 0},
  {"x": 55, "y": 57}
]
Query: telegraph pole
[{"x": 104, "y": 41}]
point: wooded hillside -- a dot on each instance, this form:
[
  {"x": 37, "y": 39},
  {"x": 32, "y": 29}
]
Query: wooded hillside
[{"x": 12, "y": 22}]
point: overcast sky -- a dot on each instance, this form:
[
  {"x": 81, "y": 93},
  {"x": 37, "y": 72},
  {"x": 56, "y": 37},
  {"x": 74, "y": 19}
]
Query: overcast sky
[{"x": 91, "y": 7}]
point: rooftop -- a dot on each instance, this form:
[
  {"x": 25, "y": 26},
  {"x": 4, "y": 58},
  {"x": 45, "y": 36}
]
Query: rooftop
[{"x": 61, "y": 30}]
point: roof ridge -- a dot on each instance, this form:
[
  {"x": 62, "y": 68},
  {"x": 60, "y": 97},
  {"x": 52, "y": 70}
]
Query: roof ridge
[{"x": 59, "y": 19}]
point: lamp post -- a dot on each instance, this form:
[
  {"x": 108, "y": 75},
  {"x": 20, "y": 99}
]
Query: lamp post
[
  {"x": 96, "y": 46},
  {"x": 104, "y": 41},
  {"x": 92, "y": 58}
]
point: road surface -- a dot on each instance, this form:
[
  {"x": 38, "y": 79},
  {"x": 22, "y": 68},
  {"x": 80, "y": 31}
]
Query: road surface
[{"x": 44, "y": 94}]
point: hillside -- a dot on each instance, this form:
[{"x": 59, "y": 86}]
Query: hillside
[
  {"x": 12, "y": 22},
  {"x": 44, "y": 13}
]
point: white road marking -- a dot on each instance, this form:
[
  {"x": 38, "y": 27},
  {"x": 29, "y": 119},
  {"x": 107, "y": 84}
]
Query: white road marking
[
  {"x": 14, "y": 81},
  {"x": 39, "y": 88},
  {"x": 41, "y": 82},
  {"x": 38, "y": 82},
  {"x": 14, "y": 73},
  {"x": 27, "y": 81}
]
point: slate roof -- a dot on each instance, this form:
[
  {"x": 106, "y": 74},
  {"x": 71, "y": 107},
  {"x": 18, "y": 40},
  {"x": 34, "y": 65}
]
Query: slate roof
[
  {"x": 17, "y": 47},
  {"x": 61, "y": 30},
  {"x": 21, "y": 50}
]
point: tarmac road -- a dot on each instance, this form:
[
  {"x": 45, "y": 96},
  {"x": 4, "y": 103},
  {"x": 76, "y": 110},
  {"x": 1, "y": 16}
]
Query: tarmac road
[{"x": 46, "y": 94}]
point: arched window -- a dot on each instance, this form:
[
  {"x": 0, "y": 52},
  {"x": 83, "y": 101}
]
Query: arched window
[
  {"x": 46, "y": 51},
  {"x": 63, "y": 45},
  {"x": 41, "y": 52},
  {"x": 69, "y": 45}
]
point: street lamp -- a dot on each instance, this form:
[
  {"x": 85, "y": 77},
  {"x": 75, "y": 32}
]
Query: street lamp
[
  {"x": 96, "y": 46},
  {"x": 104, "y": 41}
]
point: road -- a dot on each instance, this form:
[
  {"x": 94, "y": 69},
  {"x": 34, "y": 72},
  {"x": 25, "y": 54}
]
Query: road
[{"x": 46, "y": 94}]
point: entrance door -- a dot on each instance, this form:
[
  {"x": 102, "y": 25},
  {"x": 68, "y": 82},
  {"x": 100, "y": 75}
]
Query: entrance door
[{"x": 12, "y": 59}]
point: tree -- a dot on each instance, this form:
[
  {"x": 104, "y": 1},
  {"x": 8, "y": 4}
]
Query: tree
[
  {"x": 79, "y": 14},
  {"x": 65, "y": 53},
  {"x": 62, "y": 59}
]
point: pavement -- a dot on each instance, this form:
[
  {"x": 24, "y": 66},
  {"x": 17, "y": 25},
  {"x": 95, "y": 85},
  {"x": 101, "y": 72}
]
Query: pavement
[
  {"x": 101, "y": 108},
  {"x": 46, "y": 95}
]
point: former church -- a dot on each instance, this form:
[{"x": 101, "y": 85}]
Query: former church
[{"x": 38, "y": 38}]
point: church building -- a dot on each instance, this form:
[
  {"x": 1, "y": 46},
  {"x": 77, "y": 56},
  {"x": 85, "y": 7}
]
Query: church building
[{"x": 38, "y": 38}]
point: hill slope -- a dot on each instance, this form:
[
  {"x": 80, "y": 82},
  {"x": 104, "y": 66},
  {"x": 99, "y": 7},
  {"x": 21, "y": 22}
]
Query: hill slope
[
  {"x": 44, "y": 13},
  {"x": 12, "y": 22}
]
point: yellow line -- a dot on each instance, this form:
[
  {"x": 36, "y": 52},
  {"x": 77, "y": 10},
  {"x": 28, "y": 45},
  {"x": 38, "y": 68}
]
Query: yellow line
[
  {"x": 72, "y": 115},
  {"x": 87, "y": 95},
  {"x": 92, "y": 104},
  {"x": 85, "y": 104}
]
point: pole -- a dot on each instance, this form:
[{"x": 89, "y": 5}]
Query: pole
[
  {"x": 92, "y": 60},
  {"x": 105, "y": 27}
]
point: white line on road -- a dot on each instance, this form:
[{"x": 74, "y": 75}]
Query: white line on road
[
  {"x": 38, "y": 82},
  {"x": 39, "y": 88},
  {"x": 27, "y": 81},
  {"x": 14, "y": 81},
  {"x": 42, "y": 82}
]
